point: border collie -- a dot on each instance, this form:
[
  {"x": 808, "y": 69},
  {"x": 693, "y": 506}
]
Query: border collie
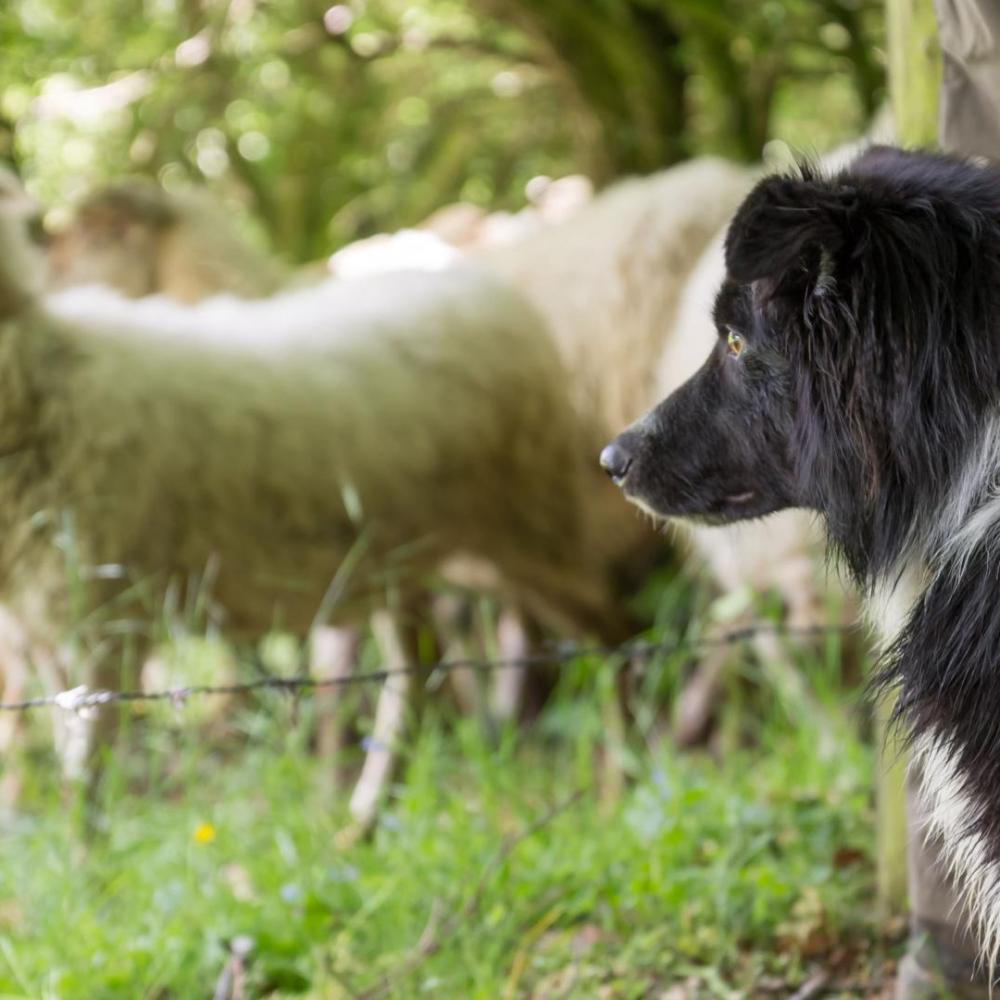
[{"x": 857, "y": 374}]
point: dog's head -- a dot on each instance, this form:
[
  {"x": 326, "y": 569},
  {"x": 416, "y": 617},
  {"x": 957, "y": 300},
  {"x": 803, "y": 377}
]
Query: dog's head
[{"x": 857, "y": 347}]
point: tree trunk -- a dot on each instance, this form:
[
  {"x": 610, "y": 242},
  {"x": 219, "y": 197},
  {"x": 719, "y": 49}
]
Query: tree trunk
[
  {"x": 914, "y": 70},
  {"x": 621, "y": 70}
]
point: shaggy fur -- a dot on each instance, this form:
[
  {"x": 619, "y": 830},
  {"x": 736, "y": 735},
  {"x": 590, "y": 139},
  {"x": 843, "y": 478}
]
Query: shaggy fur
[
  {"x": 857, "y": 373},
  {"x": 781, "y": 553},
  {"x": 264, "y": 438}
]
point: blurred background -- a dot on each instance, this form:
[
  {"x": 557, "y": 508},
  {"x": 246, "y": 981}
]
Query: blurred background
[
  {"x": 570, "y": 846},
  {"x": 324, "y": 124}
]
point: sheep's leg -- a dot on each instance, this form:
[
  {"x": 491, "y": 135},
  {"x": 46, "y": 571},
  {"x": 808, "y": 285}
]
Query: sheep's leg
[
  {"x": 703, "y": 693},
  {"x": 86, "y": 737},
  {"x": 498, "y": 696},
  {"x": 515, "y": 642},
  {"x": 399, "y": 709},
  {"x": 51, "y": 666},
  {"x": 786, "y": 679},
  {"x": 453, "y": 623},
  {"x": 14, "y": 679},
  {"x": 781, "y": 672},
  {"x": 333, "y": 656},
  {"x": 804, "y": 608},
  {"x": 699, "y": 699}
]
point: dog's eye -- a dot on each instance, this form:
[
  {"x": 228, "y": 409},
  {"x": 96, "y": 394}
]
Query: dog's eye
[{"x": 734, "y": 342}]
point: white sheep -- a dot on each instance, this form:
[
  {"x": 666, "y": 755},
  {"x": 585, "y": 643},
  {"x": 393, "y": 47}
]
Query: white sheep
[
  {"x": 143, "y": 240},
  {"x": 243, "y": 455}
]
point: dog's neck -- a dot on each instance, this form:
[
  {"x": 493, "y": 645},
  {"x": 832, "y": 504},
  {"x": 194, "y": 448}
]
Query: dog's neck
[
  {"x": 929, "y": 508},
  {"x": 941, "y": 535},
  {"x": 969, "y": 517}
]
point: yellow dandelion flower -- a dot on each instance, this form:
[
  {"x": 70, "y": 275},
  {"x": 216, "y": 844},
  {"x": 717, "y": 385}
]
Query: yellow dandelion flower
[{"x": 204, "y": 833}]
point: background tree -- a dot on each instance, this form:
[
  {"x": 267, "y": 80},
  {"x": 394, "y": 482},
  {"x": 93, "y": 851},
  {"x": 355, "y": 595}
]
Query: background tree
[{"x": 326, "y": 122}]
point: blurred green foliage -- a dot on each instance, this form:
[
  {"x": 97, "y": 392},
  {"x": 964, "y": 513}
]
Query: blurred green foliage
[{"x": 327, "y": 122}]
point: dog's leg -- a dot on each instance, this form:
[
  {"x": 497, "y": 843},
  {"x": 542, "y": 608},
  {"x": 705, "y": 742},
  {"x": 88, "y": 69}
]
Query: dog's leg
[{"x": 941, "y": 957}]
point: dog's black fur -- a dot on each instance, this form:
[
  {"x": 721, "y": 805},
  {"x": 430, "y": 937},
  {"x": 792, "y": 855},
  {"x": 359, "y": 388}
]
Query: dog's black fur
[{"x": 869, "y": 307}]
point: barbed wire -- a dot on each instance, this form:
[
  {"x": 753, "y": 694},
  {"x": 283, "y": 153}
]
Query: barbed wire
[{"x": 81, "y": 698}]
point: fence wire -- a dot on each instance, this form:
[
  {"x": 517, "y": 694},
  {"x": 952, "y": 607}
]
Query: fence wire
[{"x": 81, "y": 698}]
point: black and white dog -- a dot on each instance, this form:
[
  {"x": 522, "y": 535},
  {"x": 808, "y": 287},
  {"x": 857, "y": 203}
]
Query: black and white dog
[{"x": 857, "y": 373}]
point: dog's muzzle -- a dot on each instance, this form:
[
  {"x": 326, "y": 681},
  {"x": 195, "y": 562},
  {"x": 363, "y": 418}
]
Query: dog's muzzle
[{"x": 616, "y": 461}]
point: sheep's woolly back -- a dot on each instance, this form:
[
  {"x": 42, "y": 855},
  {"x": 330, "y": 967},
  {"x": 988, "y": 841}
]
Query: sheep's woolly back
[
  {"x": 608, "y": 280},
  {"x": 415, "y": 415}
]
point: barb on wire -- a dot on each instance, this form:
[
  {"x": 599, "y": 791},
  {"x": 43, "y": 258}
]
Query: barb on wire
[{"x": 82, "y": 699}]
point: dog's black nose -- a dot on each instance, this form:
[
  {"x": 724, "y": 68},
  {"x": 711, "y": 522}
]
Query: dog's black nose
[{"x": 615, "y": 461}]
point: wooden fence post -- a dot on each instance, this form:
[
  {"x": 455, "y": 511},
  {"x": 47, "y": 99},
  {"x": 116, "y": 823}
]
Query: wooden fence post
[
  {"x": 914, "y": 70},
  {"x": 914, "y": 88}
]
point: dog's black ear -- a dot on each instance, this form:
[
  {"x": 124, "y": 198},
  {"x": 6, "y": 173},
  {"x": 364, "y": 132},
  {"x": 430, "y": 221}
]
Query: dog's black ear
[{"x": 785, "y": 224}]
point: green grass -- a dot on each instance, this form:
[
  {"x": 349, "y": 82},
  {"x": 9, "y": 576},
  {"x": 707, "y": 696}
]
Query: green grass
[{"x": 727, "y": 874}]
